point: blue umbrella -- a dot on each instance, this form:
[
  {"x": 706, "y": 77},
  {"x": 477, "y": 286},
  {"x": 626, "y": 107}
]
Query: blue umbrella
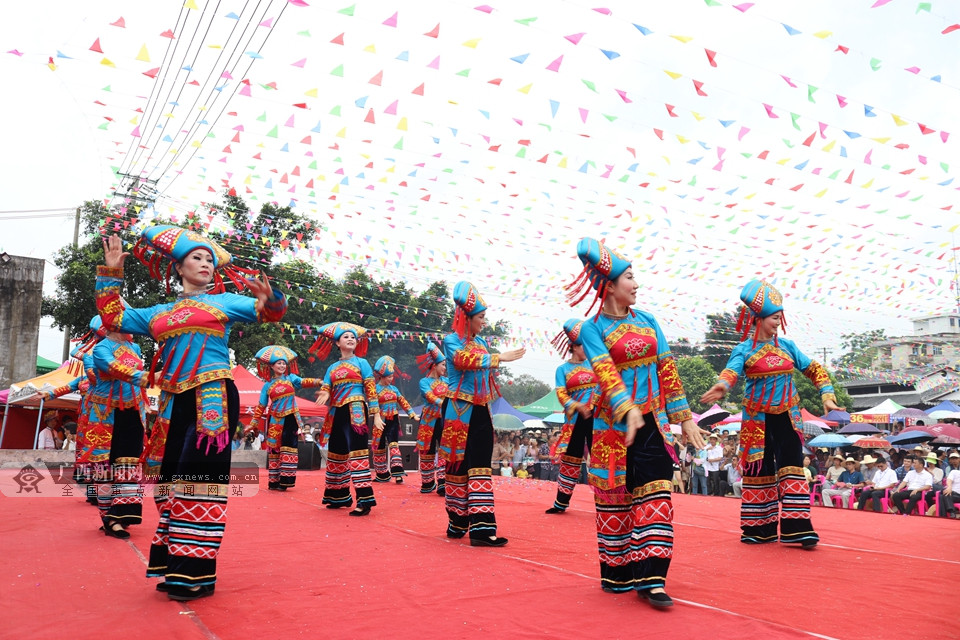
[
  {"x": 910, "y": 437},
  {"x": 830, "y": 440},
  {"x": 555, "y": 418},
  {"x": 859, "y": 428},
  {"x": 838, "y": 416}
]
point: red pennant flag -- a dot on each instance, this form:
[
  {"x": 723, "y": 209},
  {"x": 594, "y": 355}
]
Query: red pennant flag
[
  {"x": 659, "y": 132},
  {"x": 699, "y": 87},
  {"x": 167, "y": 34},
  {"x": 96, "y": 46},
  {"x": 711, "y": 57},
  {"x": 809, "y": 141},
  {"x": 670, "y": 109},
  {"x": 377, "y": 79},
  {"x": 433, "y": 33},
  {"x": 338, "y": 39},
  {"x": 152, "y": 73},
  {"x": 418, "y": 91},
  {"x": 924, "y": 129},
  {"x": 119, "y": 23},
  {"x": 370, "y": 117},
  {"x": 842, "y": 48},
  {"x": 950, "y": 29}
]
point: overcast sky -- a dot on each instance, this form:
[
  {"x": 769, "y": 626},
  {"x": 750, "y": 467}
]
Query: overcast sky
[{"x": 807, "y": 143}]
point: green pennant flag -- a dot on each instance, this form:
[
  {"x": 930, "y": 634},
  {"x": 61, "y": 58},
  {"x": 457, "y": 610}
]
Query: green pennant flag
[
  {"x": 348, "y": 11},
  {"x": 338, "y": 71}
]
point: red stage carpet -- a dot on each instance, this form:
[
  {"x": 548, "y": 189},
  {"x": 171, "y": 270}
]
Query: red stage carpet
[{"x": 290, "y": 568}]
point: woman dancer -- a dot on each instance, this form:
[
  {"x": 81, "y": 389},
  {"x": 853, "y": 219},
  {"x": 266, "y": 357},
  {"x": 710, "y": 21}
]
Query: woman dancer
[
  {"x": 277, "y": 366},
  {"x": 771, "y": 438},
  {"x": 387, "y": 439},
  {"x": 433, "y": 388},
  {"x": 199, "y": 406},
  {"x": 467, "y": 441},
  {"x": 632, "y": 456},
  {"x": 351, "y": 392},
  {"x": 578, "y": 392}
]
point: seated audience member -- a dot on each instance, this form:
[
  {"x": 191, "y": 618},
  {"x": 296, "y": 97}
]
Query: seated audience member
[
  {"x": 930, "y": 497},
  {"x": 951, "y": 490},
  {"x": 885, "y": 478},
  {"x": 848, "y": 480},
  {"x": 914, "y": 483}
]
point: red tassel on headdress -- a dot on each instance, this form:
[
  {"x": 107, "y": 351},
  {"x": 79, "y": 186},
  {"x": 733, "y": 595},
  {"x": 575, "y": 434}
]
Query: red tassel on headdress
[
  {"x": 425, "y": 363},
  {"x": 562, "y": 344},
  {"x": 362, "y": 345},
  {"x": 460, "y": 323},
  {"x": 742, "y": 326},
  {"x": 321, "y": 347}
]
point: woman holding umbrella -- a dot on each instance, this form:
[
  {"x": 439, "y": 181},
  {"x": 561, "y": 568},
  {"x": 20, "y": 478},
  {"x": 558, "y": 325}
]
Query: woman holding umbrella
[{"x": 771, "y": 437}]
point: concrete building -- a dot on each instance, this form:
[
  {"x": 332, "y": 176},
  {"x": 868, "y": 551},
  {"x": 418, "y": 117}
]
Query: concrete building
[
  {"x": 21, "y": 293},
  {"x": 935, "y": 343}
]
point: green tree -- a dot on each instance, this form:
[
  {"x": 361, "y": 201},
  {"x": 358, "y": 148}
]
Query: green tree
[
  {"x": 523, "y": 389},
  {"x": 73, "y": 303},
  {"x": 683, "y": 348},
  {"x": 810, "y": 397},
  {"x": 697, "y": 376},
  {"x": 859, "y": 352},
  {"x": 721, "y": 337}
]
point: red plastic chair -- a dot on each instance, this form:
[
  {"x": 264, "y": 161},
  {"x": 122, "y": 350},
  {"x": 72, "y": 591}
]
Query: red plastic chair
[{"x": 815, "y": 493}]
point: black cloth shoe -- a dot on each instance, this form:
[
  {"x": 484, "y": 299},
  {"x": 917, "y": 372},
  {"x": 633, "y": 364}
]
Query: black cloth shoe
[
  {"x": 809, "y": 544},
  {"x": 555, "y": 510},
  {"x": 455, "y": 535},
  {"x": 340, "y": 506},
  {"x": 659, "y": 600},
  {"x": 441, "y": 491},
  {"x": 360, "y": 511},
  {"x": 487, "y": 542},
  {"x": 163, "y": 587},
  {"x": 183, "y": 594},
  {"x": 110, "y": 532}
]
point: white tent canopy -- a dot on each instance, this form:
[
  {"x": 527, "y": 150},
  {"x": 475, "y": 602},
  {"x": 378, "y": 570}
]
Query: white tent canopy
[{"x": 888, "y": 406}]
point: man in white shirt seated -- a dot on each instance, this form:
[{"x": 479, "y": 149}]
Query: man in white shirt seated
[
  {"x": 875, "y": 489},
  {"x": 914, "y": 484},
  {"x": 951, "y": 489}
]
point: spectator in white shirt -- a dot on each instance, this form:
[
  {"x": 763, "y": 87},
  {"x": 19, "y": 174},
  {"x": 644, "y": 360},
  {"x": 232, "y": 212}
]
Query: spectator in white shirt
[
  {"x": 47, "y": 439},
  {"x": 885, "y": 478},
  {"x": 712, "y": 465},
  {"x": 914, "y": 484},
  {"x": 951, "y": 490}
]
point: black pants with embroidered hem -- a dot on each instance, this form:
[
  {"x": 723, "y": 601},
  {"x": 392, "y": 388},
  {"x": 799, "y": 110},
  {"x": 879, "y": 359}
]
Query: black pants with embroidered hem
[
  {"x": 469, "y": 483},
  {"x": 635, "y": 522},
  {"x": 777, "y": 494},
  {"x": 348, "y": 461},
  {"x": 193, "y": 513},
  {"x": 123, "y": 499}
]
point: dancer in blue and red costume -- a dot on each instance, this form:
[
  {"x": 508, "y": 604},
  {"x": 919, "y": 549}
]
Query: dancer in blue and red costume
[
  {"x": 433, "y": 388},
  {"x": 631, "y": 460},
  {"x": 277, "y": 366},
  {"x": 349, "y": 388},
  {"x": 83, "y": 471},
  {"x": 579, "y": 392},
  {"x": 188, "y": 454},
  {"x": 467, "y": 441},
  {"x": 387, "y": 440},
  {"x": 771, "y": 436}
]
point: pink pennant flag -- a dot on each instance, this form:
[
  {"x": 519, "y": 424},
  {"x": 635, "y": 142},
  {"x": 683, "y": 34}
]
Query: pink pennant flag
[
  {"x": 16, "y": 52},
  {"x": 879, "y": 3},
  {"x": 245, "y": 90},
  {"x": 435, "y": 64},
  {"x": 913, "y": 70},
  {"x": 299, "y": 63},
  {"x": 136, "y": 132},
  {"x": 841, "y": 100},
  {"x": 392, "y": 108},
  {"x": 944, "y": 135},
  {"x": 391, "y": 21},
  {"x": 742, "y": 8},
  {"x": 167, "y": 34},
  {"x": 555, "y": 65},
  {"x": 119, "y": 23},
  {"x": 823, "y": 128},
  {"x": 789, "y": 81},
  {"x": 770, "y": 111},
  {"x": 289, "y": 122},
  {"x": 226, "y": 74},
  {"x": 267, "y": 23},
  {"x": 485, "y": 8},
  {"x": 623, "y": 95},
  {"x": 575, "y": 38},
  {"x": 583, "y": 114},
  {"x": 298, "y": 3},
  {"x": 867, "y": 159}
]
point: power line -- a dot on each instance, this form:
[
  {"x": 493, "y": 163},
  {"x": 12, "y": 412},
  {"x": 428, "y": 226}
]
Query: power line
[{"x": 70, "y": 209}]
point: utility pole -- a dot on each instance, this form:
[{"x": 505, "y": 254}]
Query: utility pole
[
  {"x": 825, "y": 356},
  {"x": 66, "y": 330}
]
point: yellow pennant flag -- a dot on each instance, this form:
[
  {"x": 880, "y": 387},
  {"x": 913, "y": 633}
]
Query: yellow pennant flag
[{"x": 143, "y": 56}]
